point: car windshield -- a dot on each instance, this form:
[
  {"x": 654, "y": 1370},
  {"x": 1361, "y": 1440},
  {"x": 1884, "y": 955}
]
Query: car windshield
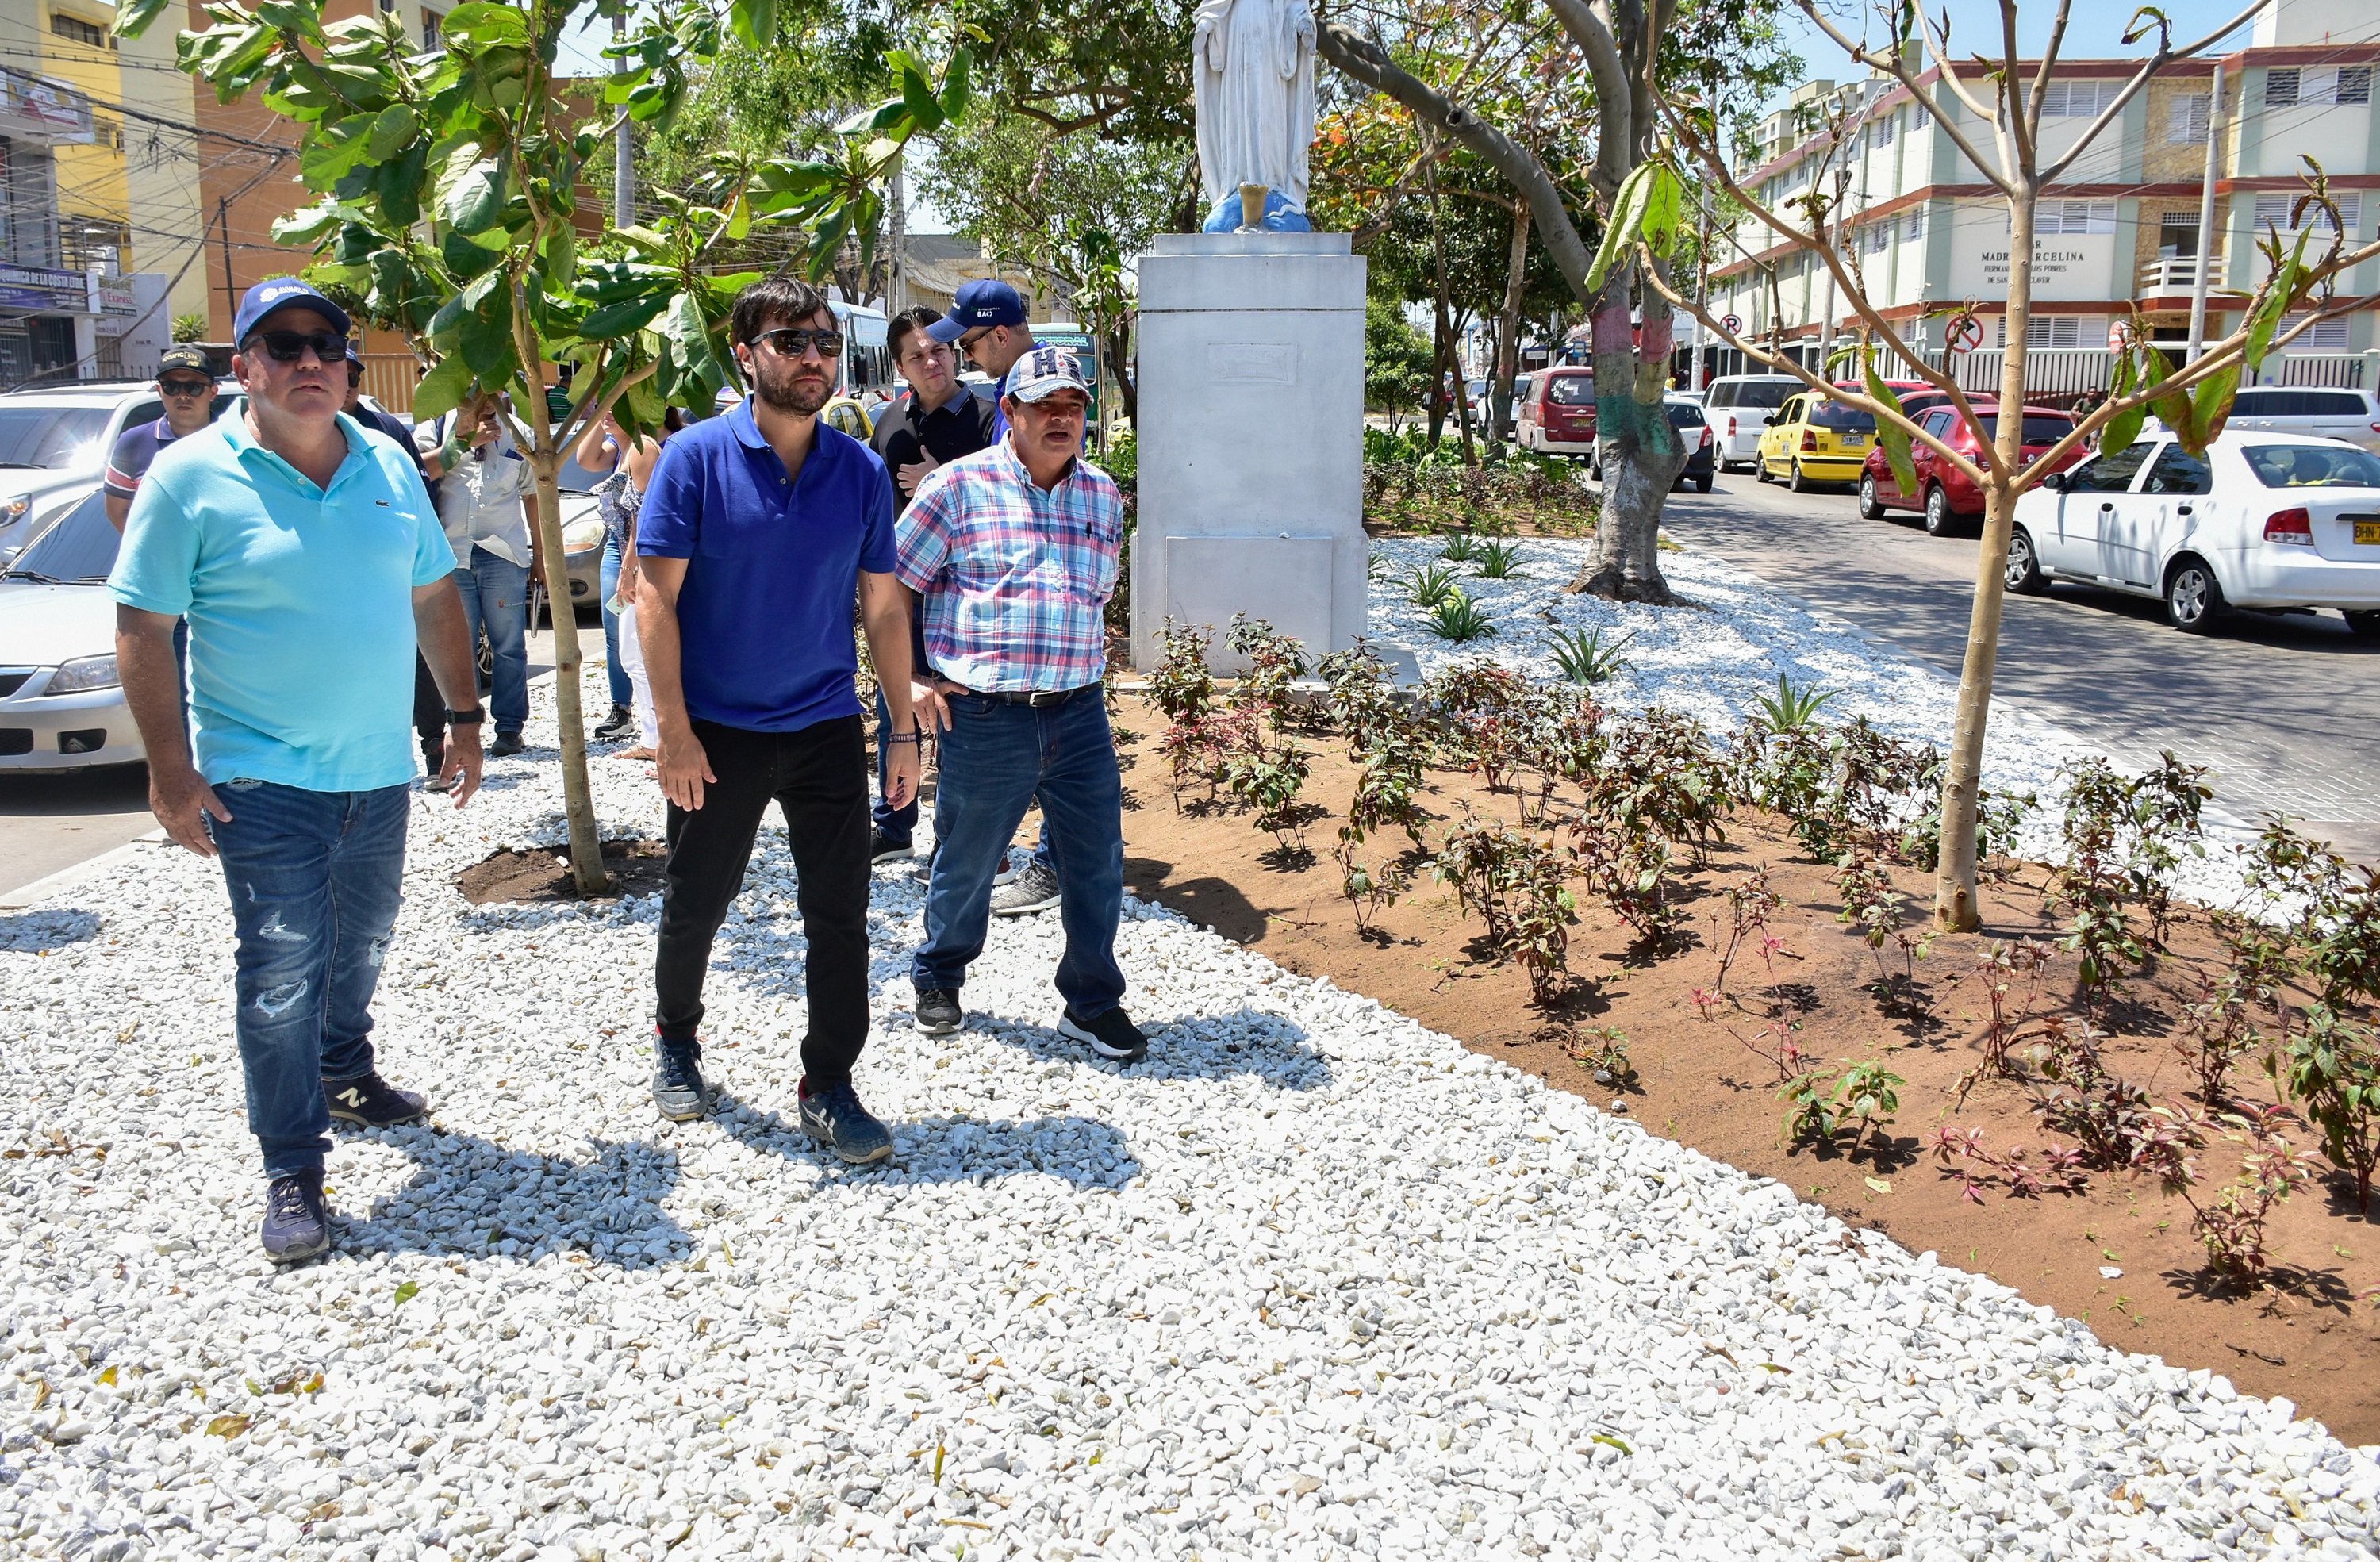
[
  {"x": 2037, "y": 430},
  {"x": 1770, "y": 393},
  {"x": 1840, "y": 419},
  {"x": 62, "y": 437},
  {"x": 1683, "y": 414},
  {"x": 1571, "y": 390},
  {"x": 575, "y": 478},
  {"x": 2313, "y": 465},
  {"x": 80, "y": 547}
]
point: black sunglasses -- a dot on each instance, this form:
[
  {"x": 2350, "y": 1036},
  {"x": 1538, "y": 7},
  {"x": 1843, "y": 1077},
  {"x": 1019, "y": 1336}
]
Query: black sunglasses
[
  {"x": 787, "y": 342},
  {"x": 288, "y": 347},
  {"x": 186, "y": 387}
]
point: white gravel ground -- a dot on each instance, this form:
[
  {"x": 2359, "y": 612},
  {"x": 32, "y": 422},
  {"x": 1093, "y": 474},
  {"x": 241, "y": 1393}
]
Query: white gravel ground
[{"x": 1312, "y": 1282}]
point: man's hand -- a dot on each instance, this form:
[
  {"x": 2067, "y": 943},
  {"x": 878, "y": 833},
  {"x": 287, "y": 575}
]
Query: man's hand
[
  {"x": 684, "y": 768},
  {"x": 914, "y": 473},
  {"x": 926, "y": 702},
  {"x": 465, "y": 761},
  {"x": 901, "y": 776},
  {"x": 181, "y": 799}
]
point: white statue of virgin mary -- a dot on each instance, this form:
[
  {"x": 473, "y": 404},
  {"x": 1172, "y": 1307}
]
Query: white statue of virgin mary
[{"x": 1255, "y": 97}]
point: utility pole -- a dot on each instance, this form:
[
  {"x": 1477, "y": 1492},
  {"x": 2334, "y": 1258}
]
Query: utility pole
[
  {"x": 222, "y": 233},
  {"x": 896, "y": 278},
  {"x": 2207, "y": 218},
  {"x": 1702, "y": 293},
  {"x": 624, "y": 155}
]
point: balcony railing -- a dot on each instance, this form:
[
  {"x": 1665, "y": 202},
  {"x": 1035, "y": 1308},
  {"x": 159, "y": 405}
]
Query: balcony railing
[{"x": 2179, "y": 274}]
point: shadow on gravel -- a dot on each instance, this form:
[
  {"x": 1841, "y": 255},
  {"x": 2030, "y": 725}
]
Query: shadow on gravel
[
  {"x": 468, "y": 1194},
  {"x": 52, "y": 927},
  {"x": 1245, "y": 1041},
  {"x": 1082, "y": 1151}
]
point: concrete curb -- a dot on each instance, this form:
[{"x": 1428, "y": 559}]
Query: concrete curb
[{"x": 27, "y": 896}]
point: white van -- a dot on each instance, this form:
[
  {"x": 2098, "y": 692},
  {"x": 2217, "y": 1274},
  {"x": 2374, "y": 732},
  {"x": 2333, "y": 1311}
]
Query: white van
[
  {"x": 1738, "y": 406},
  {"x": 2316, "y": 412}
]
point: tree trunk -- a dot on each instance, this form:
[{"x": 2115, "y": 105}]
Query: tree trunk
[
  {"x": 1119, "y": 360},
  {"x": 577, "y": 797},
  {"x": 1508, "y": 345},
  {"x": 1641, "y": 453},
  {"x": 1955, "y": 895},
  {"x": 1437, "y": 374}
]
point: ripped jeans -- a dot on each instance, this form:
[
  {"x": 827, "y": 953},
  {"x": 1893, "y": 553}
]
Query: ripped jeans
[{"x": 315, "y": 880}]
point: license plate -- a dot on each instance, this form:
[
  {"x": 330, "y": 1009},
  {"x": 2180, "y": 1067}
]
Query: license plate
[
  {"x": 1854, "y": 443},
  {"x": 2367, "y": 534}
]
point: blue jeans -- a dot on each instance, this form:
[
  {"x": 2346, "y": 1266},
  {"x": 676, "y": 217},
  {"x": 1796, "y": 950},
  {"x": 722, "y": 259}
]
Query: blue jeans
[
  {"x": 995, "y": 759},
  {"x": 495, "y": 599},
  {"x": 617, "y": 675},
  {"x": 315, "y": 879}
]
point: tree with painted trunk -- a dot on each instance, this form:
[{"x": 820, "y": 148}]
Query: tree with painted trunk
[{"x": 1991, "y": 109}]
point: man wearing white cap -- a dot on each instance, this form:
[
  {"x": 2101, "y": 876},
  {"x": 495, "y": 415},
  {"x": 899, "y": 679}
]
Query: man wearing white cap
[{"x": 1015, "y": 551}]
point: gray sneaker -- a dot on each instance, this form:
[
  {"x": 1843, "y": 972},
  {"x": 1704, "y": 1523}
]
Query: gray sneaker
[
  {"x": 1035, "y": 888},
  {"x": 834, "y": 1118},
  {"x": 679, "y": 1089}
]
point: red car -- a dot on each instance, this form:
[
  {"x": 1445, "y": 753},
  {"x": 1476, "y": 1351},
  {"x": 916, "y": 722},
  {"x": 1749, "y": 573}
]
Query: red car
[{"x": 1948, "y": 498}]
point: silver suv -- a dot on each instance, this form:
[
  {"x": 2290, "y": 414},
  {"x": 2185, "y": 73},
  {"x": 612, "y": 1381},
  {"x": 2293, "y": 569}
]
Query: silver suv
[{"x": 57, "y": 439}]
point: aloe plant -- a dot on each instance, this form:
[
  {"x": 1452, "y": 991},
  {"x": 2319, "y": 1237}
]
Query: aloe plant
[
  {"x": 1498, "y": 559},
  {"x": 1460, "y": 548},
  {"x": 1790, "y": 709},
  {"x": 1458, "y": 618},
  {"x": 1584, "y": 660},
  {"x": 1427, "y": 587}
]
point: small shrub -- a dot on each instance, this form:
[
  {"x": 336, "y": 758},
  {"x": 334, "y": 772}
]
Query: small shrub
[
  {"x": 1368, "y": 889},
  {"x": 1961, "y": 1155},
  {"x": 1498, "y": 559},
  {"x": 1275, "y": 661},
  {"x": 2216, "y": 1031},
  {"x": 1867, "y": 1095},
  {"x": 1182, "y": 686},
  {"x": 1518, "y": 887},
  {"x": 1389, "y": 789},
  {"x": 1872, "y": 904},
  {"x": 1269, "y": 781},
  {"x": 1790, "y": 709},
  {"x": 1810, "y": 1117},
  {"x": 1585, "y": 661},
  {"x": 1425, "y": 588},
  {"x": 1626, "y": 870},
  {"x": 1459, "y": 619},
  {"x": 2231, "y": 1224},
  {"x": 2332, "y": 1072},
  {"x": 1603, "y": 1052},
  {"x": 1460, "y": 548},
  {"x": 2010, "y": 1023},
  {"x": 2111, "y": 1120},
  {"x": 1750, "y": 904},
  {"x": 1362, "y": 698}
]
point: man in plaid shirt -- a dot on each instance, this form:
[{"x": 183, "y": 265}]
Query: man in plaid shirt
[{"x": 1015, "y": 551}]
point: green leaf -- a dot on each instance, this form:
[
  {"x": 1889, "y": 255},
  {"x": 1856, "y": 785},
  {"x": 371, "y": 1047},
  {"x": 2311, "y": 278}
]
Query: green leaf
[
  {"x": 398, "y": 184},
  {"x": 132, "y": 19},
  {"x": 683, "y": 324},
  {"x": 2210, "y": 406},
  {"x": 476, "y": 199},
  {"x": 441, "y": 392},
  {"x": 874, "y": 118},
  {"x": 2266, "y": 320},
  {"x": 332, "y": 151},
  {"x": 2173, "y": 408},
  {"x": 487, "y": 329},
  {"x": 310, "y": 226},
  {"x": 1627, "y": 220},
  {"x": 482, "y": 26},
  {"x": 392, "y": 130},
  {"x": 619, "y": 319},
  {"x": 408, "y": 1291},
  {"x": 918, "y": 93},
  {"x": 1889, "y": 431},
  {"x": 739, "y": 217},
  {"x": 755, "y": 21},
  {"x": 2120, "y": 431},
  {"x": 957, "y": 87},
  {"x": 467, "y": 257}
]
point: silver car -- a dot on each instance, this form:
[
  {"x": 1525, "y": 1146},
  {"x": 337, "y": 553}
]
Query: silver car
[
  {"x": 56, "y": 441},
  {"x": 61, "y": 704}
]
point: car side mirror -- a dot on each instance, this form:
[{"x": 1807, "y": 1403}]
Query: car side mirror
[{"x": 2054, "y": 482}]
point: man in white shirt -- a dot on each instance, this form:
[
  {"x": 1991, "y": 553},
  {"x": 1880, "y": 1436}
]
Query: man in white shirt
[{"x": 487, "y": 501}]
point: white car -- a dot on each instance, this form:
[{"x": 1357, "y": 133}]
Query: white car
[
  {"x": 2263, "y": 521},
  {"x": 61, "y": 705},
  {"x": 2313, "y": 411},
  {"x": 56, "y": 440},
  {"x": 1739, "y": 406}
]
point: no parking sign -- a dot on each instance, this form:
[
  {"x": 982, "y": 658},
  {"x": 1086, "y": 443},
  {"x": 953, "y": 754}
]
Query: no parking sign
[
  {"x": 1731, "y": 324},
  {"x": 1966, "y": 334}
]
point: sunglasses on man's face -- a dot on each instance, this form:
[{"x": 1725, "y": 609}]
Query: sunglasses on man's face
[
  {"x": 790, "y": 344},
  {"x": 186, "y": 387},
  {"x": 288, "y": 347},
  {"x": 968, "y": 342}
]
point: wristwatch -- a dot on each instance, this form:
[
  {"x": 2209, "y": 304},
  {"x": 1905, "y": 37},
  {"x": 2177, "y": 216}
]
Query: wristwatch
[{"x": 470, "y": 718}]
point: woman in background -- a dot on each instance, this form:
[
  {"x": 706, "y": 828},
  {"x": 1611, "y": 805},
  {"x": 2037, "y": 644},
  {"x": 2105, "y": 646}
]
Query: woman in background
[{"x": 631, "y": 462}]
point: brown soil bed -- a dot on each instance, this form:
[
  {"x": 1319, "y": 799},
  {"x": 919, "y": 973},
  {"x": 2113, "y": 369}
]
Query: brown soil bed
[
  {"x": 2306, "y": 1336},
  {"x": 542, "y": 876}
]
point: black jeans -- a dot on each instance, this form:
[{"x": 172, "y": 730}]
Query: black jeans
[
  {"x": 819, "y": 775},
  {"x": 429, "y": 712}
]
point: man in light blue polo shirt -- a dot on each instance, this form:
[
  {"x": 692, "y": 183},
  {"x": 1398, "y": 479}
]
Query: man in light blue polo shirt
[{"x": 306, "y": 556}]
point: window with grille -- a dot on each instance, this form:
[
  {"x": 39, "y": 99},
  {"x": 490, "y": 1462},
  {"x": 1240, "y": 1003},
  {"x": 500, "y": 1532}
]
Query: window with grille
[
  {"x": 1913, "y": 228},
  {"x": 2355, "y": 84},
  {"x": 2327, "y": 335},
  {"x": 2072, "y": 216},
  {"x": 1879, "y": 236},
  {"x": 2055, "y": 332},
  {"x": 78, "y": 30},
  {"x": 2177, "y": 234},
  {"x": 433, "y": 23},
  {"x": 2273, "y": 211},
  {"x": 2062, "y": 100},
  {"x": 2281, "y": 85},
  {"x": 2308, "y": 86},
  {"x": 2186, "y": 119}
]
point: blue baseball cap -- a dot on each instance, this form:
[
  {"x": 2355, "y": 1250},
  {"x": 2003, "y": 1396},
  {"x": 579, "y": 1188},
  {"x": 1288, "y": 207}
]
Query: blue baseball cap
[
  {"x": 279, "y": 294},
  {"x": 979, "y": 303}
]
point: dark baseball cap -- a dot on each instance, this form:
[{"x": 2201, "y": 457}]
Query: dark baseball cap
[
  {"x": 979, "y": 303},
  {"x": 183, "y": 355},
  {"x": 281, "y": 292}
]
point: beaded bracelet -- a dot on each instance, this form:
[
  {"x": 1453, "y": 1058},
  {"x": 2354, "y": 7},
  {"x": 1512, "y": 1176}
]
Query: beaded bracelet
[{"x": 900, "y": 737}]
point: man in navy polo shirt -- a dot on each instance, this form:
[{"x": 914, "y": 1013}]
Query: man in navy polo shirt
[{"x": 754, "y": 527}]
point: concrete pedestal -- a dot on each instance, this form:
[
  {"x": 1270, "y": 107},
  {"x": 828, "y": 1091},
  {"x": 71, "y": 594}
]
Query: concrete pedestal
[{"x": 1251, "y": 439}]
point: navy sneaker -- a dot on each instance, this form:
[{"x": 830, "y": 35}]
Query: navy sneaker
[
  {"x": 372, "y": 1102},
  {"x": 1113, "y": 1035},
  {"x": 938, "y": 1010},
  {"x": 297, "y": 1219},
  {"x": 679, "y": 1089},
  {"x": 834, "y": 1118},
  {"x": 506, "y": 746},
  {"x": 882, "y": 848}
]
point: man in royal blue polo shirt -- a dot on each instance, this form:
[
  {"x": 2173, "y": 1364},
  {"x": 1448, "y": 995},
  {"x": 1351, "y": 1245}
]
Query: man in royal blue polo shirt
[
  {"x": 306, "y": 556},
  {"x": 753, "y": 532}
]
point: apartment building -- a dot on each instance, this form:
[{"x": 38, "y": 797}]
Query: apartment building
[
  {"x": 2121, "y": 229},
  {"x": 98, "y": 225}
]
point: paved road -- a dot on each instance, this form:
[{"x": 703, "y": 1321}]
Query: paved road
[
  {"x": 51, "y": 821},
  {"x": 2284, "y": 708}
]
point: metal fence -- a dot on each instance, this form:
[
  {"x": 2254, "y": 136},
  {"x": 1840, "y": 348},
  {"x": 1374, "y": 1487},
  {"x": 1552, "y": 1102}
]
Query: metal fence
[
  {"x": 389, "y": 379},
  {"x": 2353, "y": 372}
]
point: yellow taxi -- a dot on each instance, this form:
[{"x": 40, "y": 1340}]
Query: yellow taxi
[{"x": 1815, "y": 440}]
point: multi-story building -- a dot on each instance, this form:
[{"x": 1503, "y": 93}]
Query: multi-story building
[
  {"x": 2118, "y": 233},
  {"x": 99, "y": 223}
]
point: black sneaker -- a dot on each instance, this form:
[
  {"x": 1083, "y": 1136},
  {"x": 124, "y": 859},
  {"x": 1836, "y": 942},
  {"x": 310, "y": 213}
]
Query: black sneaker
[
  {"x": 617, "y": 725},
  {"x": 834, "y": 1118},
  {"x": 371, "y": 1101},
  {"x": 506, "y": 746},
  {"x": 297, "y": 1219},
  {"x": 882, "y": 848},
  {"x": 679, "y": 1089},
  {"x": 938, "y": 1010},
  {"x": 433, "y": 761},
  {"x": 1035, "y": 888},
  {"x": 1113, "y": 1035}
]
